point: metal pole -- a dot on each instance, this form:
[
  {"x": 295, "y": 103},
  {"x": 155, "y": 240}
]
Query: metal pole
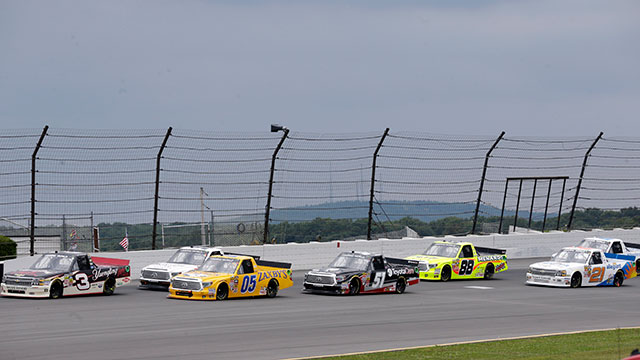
[
  {"x": 273, "y": 164},
  {"x": 564, "y": 184},
  {"x": 546, "y": 207},
  {"x": 212, "y": 238},
  {"x": 373, "y": 180},
  {"x": 504, "y": 201},
  {"x": 533, "y": 198},
  {"x": 202, "y": 233},
  {"x": 155, "y": 202},
  {"x": 162, "y": 232},
  {"x": 584, "y": 165},
  {"x": 484, "y": 173},
  {"x": 515, "y": 219},
  {"x": 33, "y": 191}
]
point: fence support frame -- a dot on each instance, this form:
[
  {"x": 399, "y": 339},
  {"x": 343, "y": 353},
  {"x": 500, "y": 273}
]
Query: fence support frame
[
  {"x": 584, "y": 165},
  {"x": 155, "y": 198},
  {"x": 484, "y": 174},
  {"x": 373, "y": 181},
  {"x": 267, "y": 208},
  {"x": 32, "y": 234}
]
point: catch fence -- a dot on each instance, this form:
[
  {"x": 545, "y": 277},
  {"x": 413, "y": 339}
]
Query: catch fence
[{"x": 166, "y": 188}]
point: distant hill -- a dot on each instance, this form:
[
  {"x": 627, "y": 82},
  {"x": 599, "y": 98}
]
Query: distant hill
[{"x": 424, "y": 211}]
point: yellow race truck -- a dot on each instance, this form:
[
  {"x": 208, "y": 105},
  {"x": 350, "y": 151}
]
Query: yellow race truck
[{"x": 222, "y": 277}]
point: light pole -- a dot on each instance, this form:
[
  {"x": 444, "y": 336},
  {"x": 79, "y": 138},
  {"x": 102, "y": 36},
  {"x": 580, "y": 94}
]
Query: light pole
[
  {"x": 274, "y": 128},
  {"x": 202, "y": 206}
]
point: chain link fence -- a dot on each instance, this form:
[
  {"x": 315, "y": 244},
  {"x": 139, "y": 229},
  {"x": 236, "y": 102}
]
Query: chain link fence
[{"x": 84, "y": 189}]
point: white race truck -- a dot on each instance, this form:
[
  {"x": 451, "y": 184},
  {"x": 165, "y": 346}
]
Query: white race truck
[
  {"x": 613, "y": 246},
  {"x": 581, "y": 266},
  {"x": 187, "y": 258}
]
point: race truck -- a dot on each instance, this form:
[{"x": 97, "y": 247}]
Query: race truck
[
  {"x": 361, "y": 272},
  {"x": 579, "y": 266},
  {"x": 67, "y": 273},
  {"x": 613, "y": 246},
  {"x": 444, "y": 260},
  {"x": 187, "y": 258},
  {"x": 230, "y": 276}
]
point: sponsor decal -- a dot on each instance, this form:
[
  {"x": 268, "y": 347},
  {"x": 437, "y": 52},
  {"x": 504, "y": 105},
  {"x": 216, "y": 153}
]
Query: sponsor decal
[
  {"x": 401, "y": 271},
  {"x": 102, "y": 272},
  {"x": 500, "y": 267},
  {"x": 264, "y": 275},
  {"x": 490, "y": 257}
]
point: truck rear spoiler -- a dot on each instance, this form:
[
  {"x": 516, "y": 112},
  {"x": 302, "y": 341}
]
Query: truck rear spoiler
[
  {"x": 109, "y": 261},
  {"x": 402, "y": 261},
  {"x": 255, "y": 257},
  {"x": 274, "y": 264},
  {"x": 491, "y": 250},
  {"x": 632, "y": 245},
  {"x": 620, "y": 256}
]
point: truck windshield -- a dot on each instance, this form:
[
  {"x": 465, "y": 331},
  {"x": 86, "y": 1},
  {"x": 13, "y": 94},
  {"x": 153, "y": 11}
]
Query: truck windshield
[
  {"x": 53, "y": 262},
  {"x": 594, "y": 244},
  {"x": 220, "y": 265},
  {"x": 444, "y": 250},
  {"x": 350, "y": 261},
  {"x": 574, "y": 256},
  {"x": 193, "y": 257}
]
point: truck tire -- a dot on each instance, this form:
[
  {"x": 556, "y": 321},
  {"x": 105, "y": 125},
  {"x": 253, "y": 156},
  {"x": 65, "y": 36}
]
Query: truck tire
[
  {"x": 576, "y": 280},
  {"x": 272, "y": 288},
  {"x": 55, "y": 291},
  {"x": 109, "y": 286},
  {"x": 354, "y": 286},
  {"x": 401, "y": 285},
  {"x": 618, "y": 279},
  {"x": 222, "y": 292},
  {"x": 445, "y": 274},
  {"x": 488, "y": 272}
]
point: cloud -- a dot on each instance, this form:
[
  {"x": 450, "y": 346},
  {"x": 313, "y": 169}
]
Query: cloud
[{"x": 479, "y": 67}]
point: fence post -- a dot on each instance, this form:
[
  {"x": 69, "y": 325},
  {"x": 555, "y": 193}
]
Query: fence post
[
  {"x": 533, "y": 199},
  {"x": 373, "y": 180},
  {"x": 484, "y": 173},
  {"x": 584, "y": 165},
  {"x": 33, "y": 191},
  {"x": 285, "y": 131},
  {"x": 155, "y": 198}
]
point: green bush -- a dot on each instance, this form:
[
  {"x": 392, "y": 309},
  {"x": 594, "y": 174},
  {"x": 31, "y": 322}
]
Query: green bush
[{"x": 8, "y": 248}]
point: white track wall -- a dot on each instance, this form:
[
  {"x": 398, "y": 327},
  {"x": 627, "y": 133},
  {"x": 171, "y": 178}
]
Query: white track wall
[{"x": 318, "y": 254}]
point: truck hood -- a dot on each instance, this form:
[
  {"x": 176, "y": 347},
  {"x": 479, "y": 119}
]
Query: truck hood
[
  {"x": 171, "y": 267},
  {"x": 429, "y": 259},
  {"x": 206, "y": 276},
  {"x": 553, "y": 265},
  {"x": 37, "y": 274},
  {"x": 336, "y": 271}
]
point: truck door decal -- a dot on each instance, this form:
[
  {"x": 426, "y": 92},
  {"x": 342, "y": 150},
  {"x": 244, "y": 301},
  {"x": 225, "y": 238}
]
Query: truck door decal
[
  {"x": 597, "y": 274},
  {"x": 248, "y": 284},
  {"x": 466, "y": 267}
]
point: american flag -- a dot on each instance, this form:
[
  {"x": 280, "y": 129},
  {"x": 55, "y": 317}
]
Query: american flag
[{"x": 125, "y": 242}]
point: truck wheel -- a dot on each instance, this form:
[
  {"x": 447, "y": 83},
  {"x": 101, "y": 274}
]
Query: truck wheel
[
  {"x": 445, "y": 275},
  {"x": 618, "y": 279},
  {"x": 488, "y": 272},
  {"x": 354, "y": 287},
  {"x": 55, "y": 291},
  {"x": 401, "y": 285},
  {"x": 272, "y": 288},
  {"x": 638, "y": 267},
  {"x": 222, "y": 292},
  {"x": 576, "y": 280},
  {"x": 109, "y": 286}
]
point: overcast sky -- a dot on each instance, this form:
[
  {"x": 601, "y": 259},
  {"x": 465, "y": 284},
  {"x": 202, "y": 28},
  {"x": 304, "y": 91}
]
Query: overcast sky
[{"x": 551, "y": 68}]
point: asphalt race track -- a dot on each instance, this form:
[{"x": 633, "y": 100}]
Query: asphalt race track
[{"x": 143, "y": 324}]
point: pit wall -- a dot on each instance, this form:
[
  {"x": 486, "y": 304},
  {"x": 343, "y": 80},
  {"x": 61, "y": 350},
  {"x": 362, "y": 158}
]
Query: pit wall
[{"x": 318, "y": 254}]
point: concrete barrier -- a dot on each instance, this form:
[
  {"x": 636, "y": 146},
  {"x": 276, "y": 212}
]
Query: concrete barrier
[{"x": 318, "y": 254}]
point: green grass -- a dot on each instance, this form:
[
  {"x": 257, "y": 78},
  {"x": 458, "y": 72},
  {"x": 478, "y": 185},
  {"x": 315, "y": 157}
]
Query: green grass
[{"x": 599, "y": 345}]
